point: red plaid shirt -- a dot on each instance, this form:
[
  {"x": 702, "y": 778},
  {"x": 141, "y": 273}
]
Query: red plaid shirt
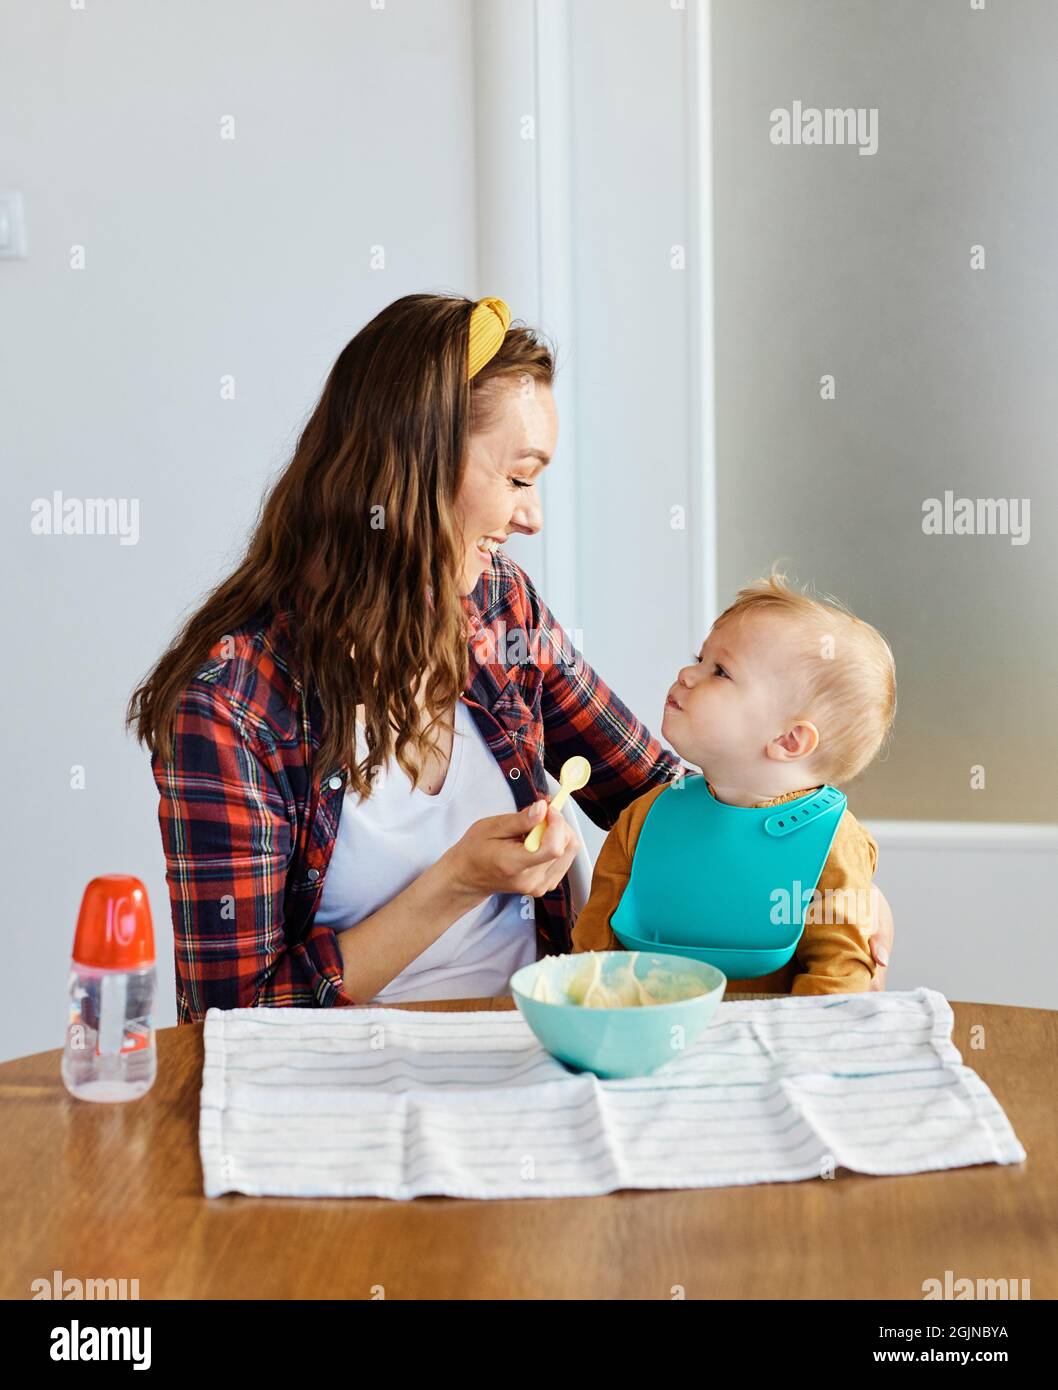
[{"x": 248, "y": 821}]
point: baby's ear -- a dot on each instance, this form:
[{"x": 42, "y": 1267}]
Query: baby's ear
[{"x": 799, "y": 742}]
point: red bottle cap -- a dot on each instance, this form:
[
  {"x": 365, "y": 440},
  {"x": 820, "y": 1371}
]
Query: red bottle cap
[{"x": 114, "y": 930}]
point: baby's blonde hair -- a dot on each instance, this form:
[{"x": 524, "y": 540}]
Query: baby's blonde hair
[{"x": 849, "y": 674}]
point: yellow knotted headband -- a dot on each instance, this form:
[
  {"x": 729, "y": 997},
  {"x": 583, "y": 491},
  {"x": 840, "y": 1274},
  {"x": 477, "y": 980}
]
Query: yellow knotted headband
[{"x": 489, "y": 321}]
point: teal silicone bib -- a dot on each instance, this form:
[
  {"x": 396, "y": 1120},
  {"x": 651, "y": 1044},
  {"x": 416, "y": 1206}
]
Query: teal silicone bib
[{"x": 726, "y": 884}]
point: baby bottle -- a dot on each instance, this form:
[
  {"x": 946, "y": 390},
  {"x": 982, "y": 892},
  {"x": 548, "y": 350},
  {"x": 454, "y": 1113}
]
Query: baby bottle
[{"x": 109, "y": 1052}]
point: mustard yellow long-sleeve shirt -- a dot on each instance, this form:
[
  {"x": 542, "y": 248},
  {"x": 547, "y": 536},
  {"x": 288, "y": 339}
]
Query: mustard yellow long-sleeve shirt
[{"x": 832, "y": 957}]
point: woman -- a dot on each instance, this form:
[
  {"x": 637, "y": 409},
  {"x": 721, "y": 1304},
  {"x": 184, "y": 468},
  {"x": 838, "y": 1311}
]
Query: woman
[{"x": 352, "y": 730}]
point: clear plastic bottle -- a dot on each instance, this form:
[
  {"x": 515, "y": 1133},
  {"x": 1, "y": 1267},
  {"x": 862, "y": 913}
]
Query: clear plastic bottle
[{"x": 109, "y": 1053}]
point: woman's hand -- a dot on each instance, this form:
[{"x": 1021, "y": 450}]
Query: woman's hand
[
  {"x": 492, "y": 857},
  {"x": 881, "y": 943}
]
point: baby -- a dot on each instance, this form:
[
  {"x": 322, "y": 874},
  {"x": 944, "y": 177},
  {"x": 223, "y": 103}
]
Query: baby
[{"x": 788, "y": 694}]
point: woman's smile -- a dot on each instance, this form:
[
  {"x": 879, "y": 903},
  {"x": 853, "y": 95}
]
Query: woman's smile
[{"x": 487, "y": 546}]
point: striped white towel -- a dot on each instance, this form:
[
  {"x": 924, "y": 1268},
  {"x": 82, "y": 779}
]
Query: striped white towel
[{"x": 385, "y": 1103}]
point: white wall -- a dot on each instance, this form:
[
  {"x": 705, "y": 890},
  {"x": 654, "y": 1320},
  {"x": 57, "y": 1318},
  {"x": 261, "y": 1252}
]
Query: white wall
[
  {"x": 658, "y": 159},
  {"x": 203, "y": 257},
  {"x": 974, "y": 907},
  {"x": 355, "y": 128}
]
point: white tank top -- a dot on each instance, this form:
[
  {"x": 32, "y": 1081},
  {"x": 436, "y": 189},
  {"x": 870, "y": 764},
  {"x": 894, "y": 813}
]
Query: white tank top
[{"x": 386, "y": 841}]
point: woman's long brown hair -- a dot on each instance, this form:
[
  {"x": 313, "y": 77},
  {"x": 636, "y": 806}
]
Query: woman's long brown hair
[{"x": 359, "y": 538}]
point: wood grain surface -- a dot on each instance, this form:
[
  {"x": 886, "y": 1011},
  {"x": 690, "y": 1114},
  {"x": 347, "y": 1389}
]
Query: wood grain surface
[{"x": 115, "y": 1191}]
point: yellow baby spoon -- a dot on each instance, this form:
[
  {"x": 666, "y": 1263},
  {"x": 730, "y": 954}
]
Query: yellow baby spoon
[{"x": 574, "y": 775}]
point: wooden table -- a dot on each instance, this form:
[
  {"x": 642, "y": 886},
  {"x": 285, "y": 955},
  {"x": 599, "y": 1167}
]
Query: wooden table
[{"x": 100, "y": 1191}]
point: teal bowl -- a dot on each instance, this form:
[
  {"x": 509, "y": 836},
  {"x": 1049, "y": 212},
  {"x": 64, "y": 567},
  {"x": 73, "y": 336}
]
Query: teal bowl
[{"x": 615, "y": 1042}]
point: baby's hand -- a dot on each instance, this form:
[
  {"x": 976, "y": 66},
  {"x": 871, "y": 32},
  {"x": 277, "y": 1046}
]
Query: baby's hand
[{"x": 881, "y": 943}]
